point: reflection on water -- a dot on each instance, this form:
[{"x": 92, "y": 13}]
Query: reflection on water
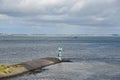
[{"x": 83, "y": 70}]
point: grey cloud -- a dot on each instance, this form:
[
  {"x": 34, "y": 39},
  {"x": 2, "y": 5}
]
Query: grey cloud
[
  {"x": 73, "y": 12},
  {"x": 33, "y": 6}
]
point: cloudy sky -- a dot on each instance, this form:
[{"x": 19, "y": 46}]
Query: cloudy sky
[{"x": 60, "y": 16}]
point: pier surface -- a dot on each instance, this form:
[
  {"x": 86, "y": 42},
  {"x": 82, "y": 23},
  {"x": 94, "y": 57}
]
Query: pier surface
[{"x": 14, "y": 70}]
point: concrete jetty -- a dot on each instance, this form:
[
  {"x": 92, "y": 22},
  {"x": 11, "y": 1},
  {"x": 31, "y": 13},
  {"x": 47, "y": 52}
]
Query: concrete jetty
[{"x": 14, "y": 70}]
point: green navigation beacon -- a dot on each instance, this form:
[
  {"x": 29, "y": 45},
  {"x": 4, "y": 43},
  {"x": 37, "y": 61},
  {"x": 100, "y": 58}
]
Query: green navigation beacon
[{"x": 60, "y": 53}]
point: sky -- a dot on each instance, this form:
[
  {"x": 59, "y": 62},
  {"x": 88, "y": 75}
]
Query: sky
[{"x": 60, "y": 16}]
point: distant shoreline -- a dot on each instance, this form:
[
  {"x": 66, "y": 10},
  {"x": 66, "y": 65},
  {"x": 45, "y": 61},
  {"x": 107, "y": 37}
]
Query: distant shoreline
[{"x": 63, "y": 35}]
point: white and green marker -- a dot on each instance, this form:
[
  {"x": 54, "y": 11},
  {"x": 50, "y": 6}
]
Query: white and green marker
[{"x": 60, "y": 50}]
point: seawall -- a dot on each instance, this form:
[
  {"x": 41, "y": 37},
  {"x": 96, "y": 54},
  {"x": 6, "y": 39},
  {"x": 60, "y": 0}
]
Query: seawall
[{"x": 17, "y": 69}]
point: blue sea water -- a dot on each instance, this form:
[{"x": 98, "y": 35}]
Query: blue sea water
[{"x": 94, "y": 58}]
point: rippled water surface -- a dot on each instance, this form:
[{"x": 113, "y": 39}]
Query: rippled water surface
[{"x": 94, "y": 58}]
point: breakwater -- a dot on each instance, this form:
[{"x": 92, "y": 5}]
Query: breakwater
[{"x": 17, "y": 69}]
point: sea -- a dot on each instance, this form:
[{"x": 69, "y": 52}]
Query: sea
[{"x": 92, "y": 57}]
